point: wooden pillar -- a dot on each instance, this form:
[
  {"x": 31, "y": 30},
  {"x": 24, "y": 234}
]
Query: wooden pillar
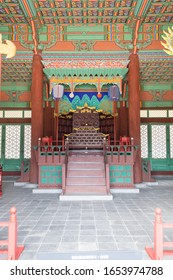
[
  {"x": 37, "y": 112},
  {"x": 134, "y": 112}
]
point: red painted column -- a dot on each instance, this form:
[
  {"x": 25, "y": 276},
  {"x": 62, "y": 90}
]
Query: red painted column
[
  {"x": 134, "y": 112},
  {"x": 37, "y": 112}
]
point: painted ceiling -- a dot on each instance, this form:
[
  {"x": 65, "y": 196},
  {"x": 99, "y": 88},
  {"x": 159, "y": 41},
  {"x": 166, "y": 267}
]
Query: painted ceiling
[{"x": 75, "y": 36}]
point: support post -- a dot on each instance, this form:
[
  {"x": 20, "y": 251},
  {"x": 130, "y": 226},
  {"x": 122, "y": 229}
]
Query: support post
[
  {"x": 134, "y": 113},
  {"x": 107, "y": 179},
  {"x": 37, "y": 112},
  {"x": 158, "y": 235},
  {"x": 12, "y": 235}
]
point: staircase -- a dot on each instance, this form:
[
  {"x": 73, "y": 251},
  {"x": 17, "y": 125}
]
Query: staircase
[{"x": 86, "y": 175}]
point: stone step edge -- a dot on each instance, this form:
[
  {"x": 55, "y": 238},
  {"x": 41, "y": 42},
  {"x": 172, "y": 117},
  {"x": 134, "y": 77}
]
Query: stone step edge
[
  {"x": 83, "y": 169},
  {"x": 85, "y": 176},
  {"x": 85, "y": 185},
  {"x": 85, "y": 197}
]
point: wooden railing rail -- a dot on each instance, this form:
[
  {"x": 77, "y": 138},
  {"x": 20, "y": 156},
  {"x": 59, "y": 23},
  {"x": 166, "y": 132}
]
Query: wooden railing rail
[{"x": 121, "y": 153}]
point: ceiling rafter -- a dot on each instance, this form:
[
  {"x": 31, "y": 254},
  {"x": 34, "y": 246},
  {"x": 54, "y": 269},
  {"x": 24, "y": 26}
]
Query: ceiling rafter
[
  {"x": 140, "y": 12},
  {"x": 55, "y": 17},
  {"x": 30, "y": 12}
]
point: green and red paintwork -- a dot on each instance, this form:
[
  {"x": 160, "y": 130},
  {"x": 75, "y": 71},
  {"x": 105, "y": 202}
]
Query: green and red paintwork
[{"x": 79, "y": 39}]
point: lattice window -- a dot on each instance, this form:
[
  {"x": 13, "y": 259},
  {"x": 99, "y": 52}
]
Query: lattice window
[
  {"x": 12, "y": 142},
  {"x": 157, "y": 113},
  {"x": 144, "y": 141},
  {"x": 158, "y": 141},
  {"x": 143, "y": 113},
  {"x": 13, "y": 114},
  {"x": 0, "y": 139},
  {"x": 27, "y": 114},
  {"x": 171, "y": 141},
  {"x": 27, "y": 141},
  {"x": 170, "y": 113}
]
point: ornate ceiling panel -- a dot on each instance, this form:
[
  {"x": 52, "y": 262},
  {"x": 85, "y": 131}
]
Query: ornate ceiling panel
[
  {"x": 17, "y": 71},
  {"x": 53, "y": 12},
  {"x": 156, "y": 68},
  {"x": 153, "y": 67},
  {"x": 160, "y": 12},
  {"x": 43, "y": 23},
  {"x": 82, "y": 12},
  {"x": 11, "y": 13}
]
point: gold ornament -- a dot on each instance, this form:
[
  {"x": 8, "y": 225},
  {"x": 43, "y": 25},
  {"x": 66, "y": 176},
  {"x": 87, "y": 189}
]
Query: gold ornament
[
  {"x": 169, "y": 41},
  {"x": 9, "y": 48}
]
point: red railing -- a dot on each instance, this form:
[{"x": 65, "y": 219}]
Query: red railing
[
  {"x": 51, "y": 153},
  {"x": 158, "y": 251},
  {"x": 13, "y": 251},
  {"x": 119, "y": 154}
]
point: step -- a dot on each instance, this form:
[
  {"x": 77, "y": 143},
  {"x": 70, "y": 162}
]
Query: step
[
  {"x": 83, "y": 197},
  {"x": 85, "y": 173},
  {"x": 73, "y": 189},
  {"x": 85, "y": 166},
  {"x": 85, "y": 159},
  {"x": 93, "y": 181},
  {"x": 87, "y": 152}
]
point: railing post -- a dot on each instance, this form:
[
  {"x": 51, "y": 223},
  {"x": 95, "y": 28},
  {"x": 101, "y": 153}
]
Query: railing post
[
  {"x": 104, "y": 149},
  {"x": 112, "y": 149},
  {"x": 0, "y": 180},
  {"x": 109, "y": 142},
  {"x": 67, "y": 146},
  {"x": 63, "y": 178},
  {"x": 12, "y": 235},
  {"x": 158, "y": 235},
  {"x": 22, "y": 171},
  {"x": 107, "y": 178},
  {"x": 63, "y": 144}
]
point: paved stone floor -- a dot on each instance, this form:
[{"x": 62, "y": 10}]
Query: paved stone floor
[{"x": 48, "y": 225}]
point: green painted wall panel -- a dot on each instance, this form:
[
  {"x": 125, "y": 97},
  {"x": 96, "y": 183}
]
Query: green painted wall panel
[{"x": 50, "y": 175}]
